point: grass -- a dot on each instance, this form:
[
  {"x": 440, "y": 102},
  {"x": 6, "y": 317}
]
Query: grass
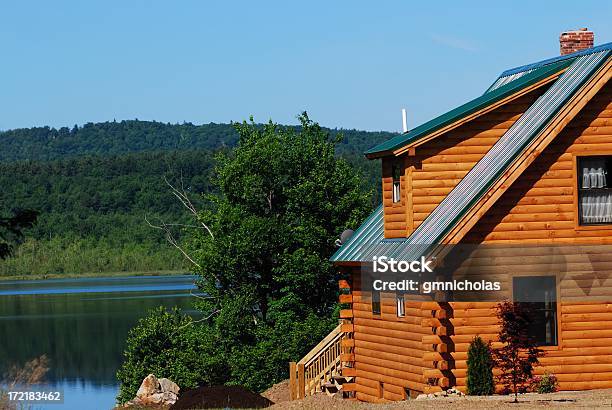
[
  {"x": 81, "y": 257},
  {"x": 93, "y": 275}
]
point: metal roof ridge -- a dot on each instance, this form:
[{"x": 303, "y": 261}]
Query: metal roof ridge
[
  {"x": 467, "y": 108},
  {"x": 515, "y": 70}
]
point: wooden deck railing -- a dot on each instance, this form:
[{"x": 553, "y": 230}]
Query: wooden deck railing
[{"x": 307, "y": 376}]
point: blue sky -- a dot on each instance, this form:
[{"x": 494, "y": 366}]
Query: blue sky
[{"x": 349, "y": 64}]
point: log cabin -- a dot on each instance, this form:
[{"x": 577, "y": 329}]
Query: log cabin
[{"x": 520, "y": 173}]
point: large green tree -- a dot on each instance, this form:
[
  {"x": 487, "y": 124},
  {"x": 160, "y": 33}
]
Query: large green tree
[{"x": 282, "y": 199}]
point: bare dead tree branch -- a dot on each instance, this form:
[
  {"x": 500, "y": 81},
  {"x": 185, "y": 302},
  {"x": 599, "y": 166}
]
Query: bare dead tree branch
[
  {"x": 171, "y": 239},
  {"x": 181, "y": 195}
]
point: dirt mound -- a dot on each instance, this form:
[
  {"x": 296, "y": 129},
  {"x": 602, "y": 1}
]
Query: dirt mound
[
  {"x": 220, "y": 397},
  {"x": 279, "y": 393}
]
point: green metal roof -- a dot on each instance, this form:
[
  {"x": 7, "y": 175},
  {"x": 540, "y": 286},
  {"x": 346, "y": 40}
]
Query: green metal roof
[
  {"x": 470, "y": 107},
  {"x": 369, "y": 240}
]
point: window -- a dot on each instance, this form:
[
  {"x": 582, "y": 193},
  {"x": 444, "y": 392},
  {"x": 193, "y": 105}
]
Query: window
[
  {"x": 375, "y": 302},
  {"x": 594, "y": 191},
  {"x": 396, "y": 171},
  {"x": 401, "y": 306},
  {"x": 540, "y": 293}
]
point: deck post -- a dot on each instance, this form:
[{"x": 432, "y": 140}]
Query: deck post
[
  {"x": 292, "y": 381},
  {"x": 301, "y": 381}
]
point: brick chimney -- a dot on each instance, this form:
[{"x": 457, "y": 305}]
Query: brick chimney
[{"x": 576, "y": 40}]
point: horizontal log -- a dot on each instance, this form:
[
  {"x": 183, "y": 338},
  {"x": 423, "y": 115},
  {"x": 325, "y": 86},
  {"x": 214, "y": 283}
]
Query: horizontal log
[
  {"x": 395, "y": 325},
  {"x": 432, "y": 374},
  {"x": 585, "y": 308},
  {"x": 474, "y": 312},
  {"x": 412, "y": 381},
  {"x": 577, "y": 352},
  {"x": 349, "y": 387},
  {"x": 431, "y": 339},
  {"x": 587, "y": 343},
  {"x": 399, "y": 390},
  {"x": 361, "y": 396},
  {"x": 432, "y": 356},
  {"x": 474, "y": 321},
  {"x": 370, "y": 391},
  {"x": 590, "y": 385},
  {"x": 389, "y": 364},
  {"x": 473, "y": 305},
  {"x": 587, "y": 334},
  {"x": 365, "y": 353},
  {"x": 573, "y": 370},
  {"x": 391, "y": 396},
  {"x": 346, "y": 328},
  {"x": 389, "y": 333},
  {"x": 523, "y": 226},
  {"x": 584, "y": 377},
  {"x": 411, "y": 355},
  {"x": 389, "y": 340}
]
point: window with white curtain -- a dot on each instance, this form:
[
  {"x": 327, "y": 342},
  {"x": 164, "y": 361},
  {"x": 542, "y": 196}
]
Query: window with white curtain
[
  {"x": 400, "y": 304},
  {"x": 594, "y": 191}
]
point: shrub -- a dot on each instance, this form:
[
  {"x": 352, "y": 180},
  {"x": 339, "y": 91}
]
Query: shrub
[
  {"x": 479, "y": 369},
  {"x": 167, "y": 344},
  {"x": 545, "y": 384}
]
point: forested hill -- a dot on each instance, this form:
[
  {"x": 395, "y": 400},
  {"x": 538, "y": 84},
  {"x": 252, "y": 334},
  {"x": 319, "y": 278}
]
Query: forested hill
[
  {"x": 93, "y": 186},
  {"x": 114, "y": 138},
  {"x": 92, "y": 210}
]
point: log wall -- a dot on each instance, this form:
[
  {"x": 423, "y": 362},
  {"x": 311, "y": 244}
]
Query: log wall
[{"x": 388, "y": 350}]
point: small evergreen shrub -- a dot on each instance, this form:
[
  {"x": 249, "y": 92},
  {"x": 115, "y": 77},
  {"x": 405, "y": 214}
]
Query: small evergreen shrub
[
  {"x": 545, "y": 384},
  {"x": 479, "y": 369}
]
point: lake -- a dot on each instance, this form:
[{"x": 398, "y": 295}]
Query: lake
[{"x": 81, "y": 325}]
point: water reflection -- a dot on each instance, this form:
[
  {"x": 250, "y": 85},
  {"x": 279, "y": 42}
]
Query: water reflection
[{"x": 81, "y": 325}]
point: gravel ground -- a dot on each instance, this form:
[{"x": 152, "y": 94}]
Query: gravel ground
[{"x": 594, "y": 399}]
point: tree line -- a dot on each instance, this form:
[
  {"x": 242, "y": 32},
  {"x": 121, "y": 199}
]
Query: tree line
[{"x": 120, "y": 137}]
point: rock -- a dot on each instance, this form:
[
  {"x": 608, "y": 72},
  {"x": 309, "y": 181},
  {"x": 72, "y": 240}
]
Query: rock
[
  {"x": 422, "y": 397},
  {"x": 155, "y": 398},
  {"x": 167, "y": 385},
  {"x": 149, "y": 386},
  {"x": 440, "y": 394},
  {"x": 169, "y": 397},
  {"x": 155, "y": 392}
]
